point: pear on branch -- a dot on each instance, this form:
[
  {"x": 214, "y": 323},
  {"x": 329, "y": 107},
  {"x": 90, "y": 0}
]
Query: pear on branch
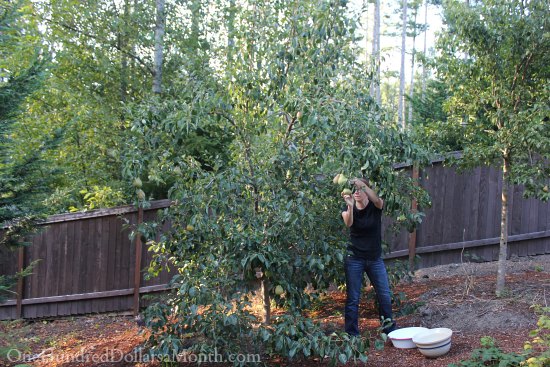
[{"x": 340, "y": 179}]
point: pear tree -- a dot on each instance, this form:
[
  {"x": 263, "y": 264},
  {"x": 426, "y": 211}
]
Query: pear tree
[{"x": 266, "y": 225}]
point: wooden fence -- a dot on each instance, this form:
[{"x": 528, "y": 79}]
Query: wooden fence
[
  {"x": 88, "y": 263},
  {"x": 464, "y": 219}
]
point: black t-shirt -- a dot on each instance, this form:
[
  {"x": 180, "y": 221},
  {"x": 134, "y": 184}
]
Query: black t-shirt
[{"x": 366, "y": 232}]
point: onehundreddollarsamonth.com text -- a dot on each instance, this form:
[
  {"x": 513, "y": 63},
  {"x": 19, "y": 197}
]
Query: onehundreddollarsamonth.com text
[{"x": 118, "y": 356}]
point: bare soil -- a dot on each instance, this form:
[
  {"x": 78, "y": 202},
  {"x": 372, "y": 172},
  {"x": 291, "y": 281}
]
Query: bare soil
[{"x": 458, "y": 296}]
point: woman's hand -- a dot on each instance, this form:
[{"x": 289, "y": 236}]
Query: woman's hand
[
  {"x": 359, "y": 185},
  {"x": 349, "y": 200}
]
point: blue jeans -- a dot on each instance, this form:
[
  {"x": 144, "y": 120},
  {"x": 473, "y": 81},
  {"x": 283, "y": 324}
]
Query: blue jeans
[{"x": 376, "y": 271}]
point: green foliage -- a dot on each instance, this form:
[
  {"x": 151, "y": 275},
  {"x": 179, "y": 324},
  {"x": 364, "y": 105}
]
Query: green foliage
[
  {"x": 538, "y": 348},
  {"x": 536, "y": 352},
  {"x": 22, "y": 72},
  {"x": 430, "y": 122},
  {"x": 100, "y": 197},
  {"x": 22, "y": 182},
  {"x": 99, "y": 79},
  {"x": 491, "y": 355}
]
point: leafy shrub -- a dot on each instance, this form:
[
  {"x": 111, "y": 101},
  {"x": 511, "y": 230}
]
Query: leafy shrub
[{"x": 536, "y": 352}]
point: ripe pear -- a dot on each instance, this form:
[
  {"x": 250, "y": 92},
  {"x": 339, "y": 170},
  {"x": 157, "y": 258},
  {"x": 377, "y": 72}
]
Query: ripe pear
[
  {"x": 140, "y": 194},
  {"x": 346, "y": 192},
  {"x": 342, "y": 180},
  {"x": 137, "y": 183},
  {"x": 545, "y": 188},
  {"x": 189, "y": 228},
  {"x": 335, "y": 179},
  {"x": 299, "y": 115},
  {"x": 279, "y": 290}
]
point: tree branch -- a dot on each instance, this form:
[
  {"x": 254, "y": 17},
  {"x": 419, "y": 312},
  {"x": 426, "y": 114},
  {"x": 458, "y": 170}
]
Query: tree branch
[
  {"x": 111, "y": 44},
  {"x": 290, "y": 125}
]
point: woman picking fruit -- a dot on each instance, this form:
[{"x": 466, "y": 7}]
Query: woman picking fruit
[{"x": 363, "y": 216}]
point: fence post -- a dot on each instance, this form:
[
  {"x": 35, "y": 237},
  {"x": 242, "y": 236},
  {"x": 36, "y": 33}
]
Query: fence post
[
  {"x": 414, "y": 207},
  {"x": 20, "y": 265},
  {"x": 137, "y": 270}
]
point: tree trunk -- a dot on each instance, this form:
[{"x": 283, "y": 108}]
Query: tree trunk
[
  {"x": 411, "y": 90},
  {"x": 375, "y": 85},
  {"x": 365, "y": 6},
  {"x": 231, "y": 31},
  {"x": 503, "y": 252},
  {"x": 424, "y": 75},
  {"x": 123, "y": 45},
  {"x": 159, "y": 35},
  {"x": 267, "y": 302},
  {"x": 401, "y": 105}
]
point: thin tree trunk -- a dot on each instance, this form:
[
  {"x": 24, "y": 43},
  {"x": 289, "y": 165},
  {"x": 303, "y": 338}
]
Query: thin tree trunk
[
  {"x": 413, "y": 54},
  {"x": 365, "y": 6},
  {"x": 401, "y": 105},
  {"x": 231, "y": 31},
  {"x": 267, "y": 302},
  {"x": 503, "y": 252},
  {"x": 123, "y": 44},
  {"x": 375, "y": 86},
  {"x": 196, "y": 18},
  {"x": 424, "y": 75},
  {"x": 159, "y": 45}
]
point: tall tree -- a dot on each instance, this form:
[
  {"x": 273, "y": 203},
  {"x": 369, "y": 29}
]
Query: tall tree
[
  {"x": 501, "y": 91},
  {"x": 22, "y": 183},
  {"x": 94, "y": 73},
  {"x": 401, "y": 103},
  {"x": 159, "y": 45},
  {"x": 375, "y": 86},
  {"x": 424, "y": 50},
  {"x": 415, "y": 30}
]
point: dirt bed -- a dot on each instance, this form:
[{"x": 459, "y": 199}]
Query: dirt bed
[{"x": 459, "y": 297}]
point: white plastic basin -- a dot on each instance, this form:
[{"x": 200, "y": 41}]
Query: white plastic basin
[
  {"x": 437, "y": 351},
  {"x": 433, "y": 342},
  {"x": 402, "y": 338}
]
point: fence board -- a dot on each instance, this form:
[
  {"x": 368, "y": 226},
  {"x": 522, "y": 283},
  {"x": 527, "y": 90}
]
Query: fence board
[
  {"x": 428, "y": 229},
  {"x": 543, "y": 224},
  {"x": 532, "y": 226},
  {"x": 77, "y": 258},
  {"x": 496, "y": 213},
  {"x": 52, "y": 267},
  {"x": 423, "y": 233},
  {"x": 111, "y": 259},
  {"x": 447, "y": 198},
  {"x": 524, "y": 221},
  {"x": 472, "y": 219},
  {"x": 85, "y": 275},
  {"x": 67, "y": 270},
  {"x": 483, "y": 205}
]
